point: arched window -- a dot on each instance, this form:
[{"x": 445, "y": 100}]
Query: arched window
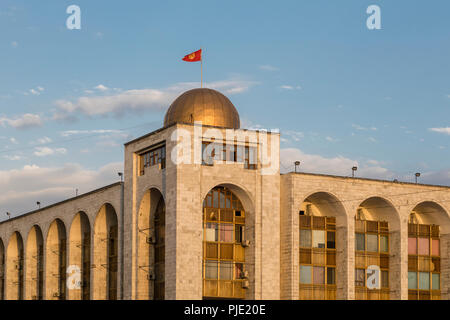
[
  {"x": 224, "y": 273},
  {"x": 371, "y": 258},
  {"x": 424, "y": 260},
  {"x": 317, "y": 256}
]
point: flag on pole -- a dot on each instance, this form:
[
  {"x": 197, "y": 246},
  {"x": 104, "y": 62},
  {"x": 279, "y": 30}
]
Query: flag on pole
[{"x": 194, "y": 56}]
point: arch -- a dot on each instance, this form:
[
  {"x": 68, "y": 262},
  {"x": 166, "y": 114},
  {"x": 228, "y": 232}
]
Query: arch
[
  {"x": 79, "y": 258},
  {"x": 431, "y": 212},
  {"x": 14, "y": 267},
  {"x": 241, "y": 192},
  {"x": 228, "y": 261},
  {"x": 2, "y": 270},
  {"x": 151, "y": 246},
  {"x": 378, "y": 243},
  {"x": 56, "y": 261},
  {"x": 34, "y": 265},
  {"x": 323, "y": 268},
  {"x": 428, "y": 264},
  {"x": 105, "y": 254},
  {"x": 380, "y": 209}
]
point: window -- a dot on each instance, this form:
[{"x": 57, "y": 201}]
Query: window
[
  {"x": 412, "y": 280},
  {"x": 371, "y": 248},
  {"x": 317, "y": 257},
  {"x": 424, "y": 261},
  {"x": 331, "y": 275},
  {"x": 229, "y": 152},
  {"x": 223, "y": 253},
  {"x": 153, "y": 157},
  {"x": 372, "y": 243},
  {"x": 305, "y": 274},
  {"x": 360, "y": 242},
  {"x": 305, "y": 238},
  {"x": 360, "y": 275},
  {"x": 318, "y": 239},
  {"x": 424, "y": 281},
  {"x": 384, "y": 244}
]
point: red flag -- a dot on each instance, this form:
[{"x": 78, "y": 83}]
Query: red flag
[{"x": 194, "y": 56}]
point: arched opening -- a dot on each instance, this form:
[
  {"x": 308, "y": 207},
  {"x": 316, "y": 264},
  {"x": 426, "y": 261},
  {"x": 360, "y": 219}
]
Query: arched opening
[
  {"x": 428, "y": 231},
  {"x": 322, "y": 256},
  {"x": 34, "y": 265},
  {"x": 79, "y": 258},
  {"x": 55, "y": 271},
  {"x": 2, "y": 270},
  {"x": 225, "y": 273},
  {"x": 377, "y": 248},
  {"x": 151, "y": 247},
  {"x": 14, "y": 267},
  {"x": 104, "y": 281}
]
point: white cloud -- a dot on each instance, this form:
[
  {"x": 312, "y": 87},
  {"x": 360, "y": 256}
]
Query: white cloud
[
  {"x": 12, "y": 158},
  {"x": 101, "y": 87},
  {"x": 331, "y": 139},
  {"x": 358, "y": 127},
  {"x": 372, "y": 139},
  {"x": 293, "y": 135},
  {"x": 46, "y": 151},
  {"x": 268, "y": 67},
  {"x": 13, "y": 140},
  {"x": 25, "y": 121},
  {"x": 445, "y": 130},
  {"x": 139, "y": 99},
  {"x": 289, "y": 87},
  {"x": 14, "y": 44},
  {"x": 23, "y": 187},
  {"x": 69, "y": 133},
  {"x": 44, "y": 140}
]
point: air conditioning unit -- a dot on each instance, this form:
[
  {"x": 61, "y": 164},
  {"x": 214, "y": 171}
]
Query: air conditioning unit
[
  {"x": 246, "y": 243},
  {"x": 151, "y": 275},
  {"x": 244, "y": 275},
  {"x": 245, "y": 284}
]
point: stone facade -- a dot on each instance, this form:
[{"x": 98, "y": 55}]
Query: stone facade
[{"x": 271, "y": 201}]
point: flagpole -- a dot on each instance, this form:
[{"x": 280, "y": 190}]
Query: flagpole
[{"x": 201, "y": 69}]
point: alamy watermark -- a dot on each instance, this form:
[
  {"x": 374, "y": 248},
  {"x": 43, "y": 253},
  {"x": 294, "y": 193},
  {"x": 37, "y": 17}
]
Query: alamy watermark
[{"x": 255, "y": 149}]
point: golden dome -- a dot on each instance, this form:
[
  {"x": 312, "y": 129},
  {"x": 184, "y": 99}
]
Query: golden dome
[{"x": 206, "y": 105}]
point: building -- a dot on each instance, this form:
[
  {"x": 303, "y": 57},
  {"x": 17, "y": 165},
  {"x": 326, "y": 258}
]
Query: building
[{"x": 203, "y": 212}]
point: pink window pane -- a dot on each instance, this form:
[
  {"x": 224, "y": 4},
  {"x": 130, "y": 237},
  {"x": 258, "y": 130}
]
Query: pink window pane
[
  {"x": 226, "y": 232},
  {"x": 435, "y": 247},
  {"x": 412, "y": 246},
  {"x": 424, "y": 246}
]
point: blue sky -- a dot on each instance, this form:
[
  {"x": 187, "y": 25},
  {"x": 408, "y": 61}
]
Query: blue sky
[{"x": 339, "y": 93}]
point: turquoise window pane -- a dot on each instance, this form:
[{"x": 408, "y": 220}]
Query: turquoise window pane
[
  {"x": 412, "y": 280},
  {"x": 436, "y": 285},
  {"x": 305, "y": 274},
  {"x": 424, "y": 281}
]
